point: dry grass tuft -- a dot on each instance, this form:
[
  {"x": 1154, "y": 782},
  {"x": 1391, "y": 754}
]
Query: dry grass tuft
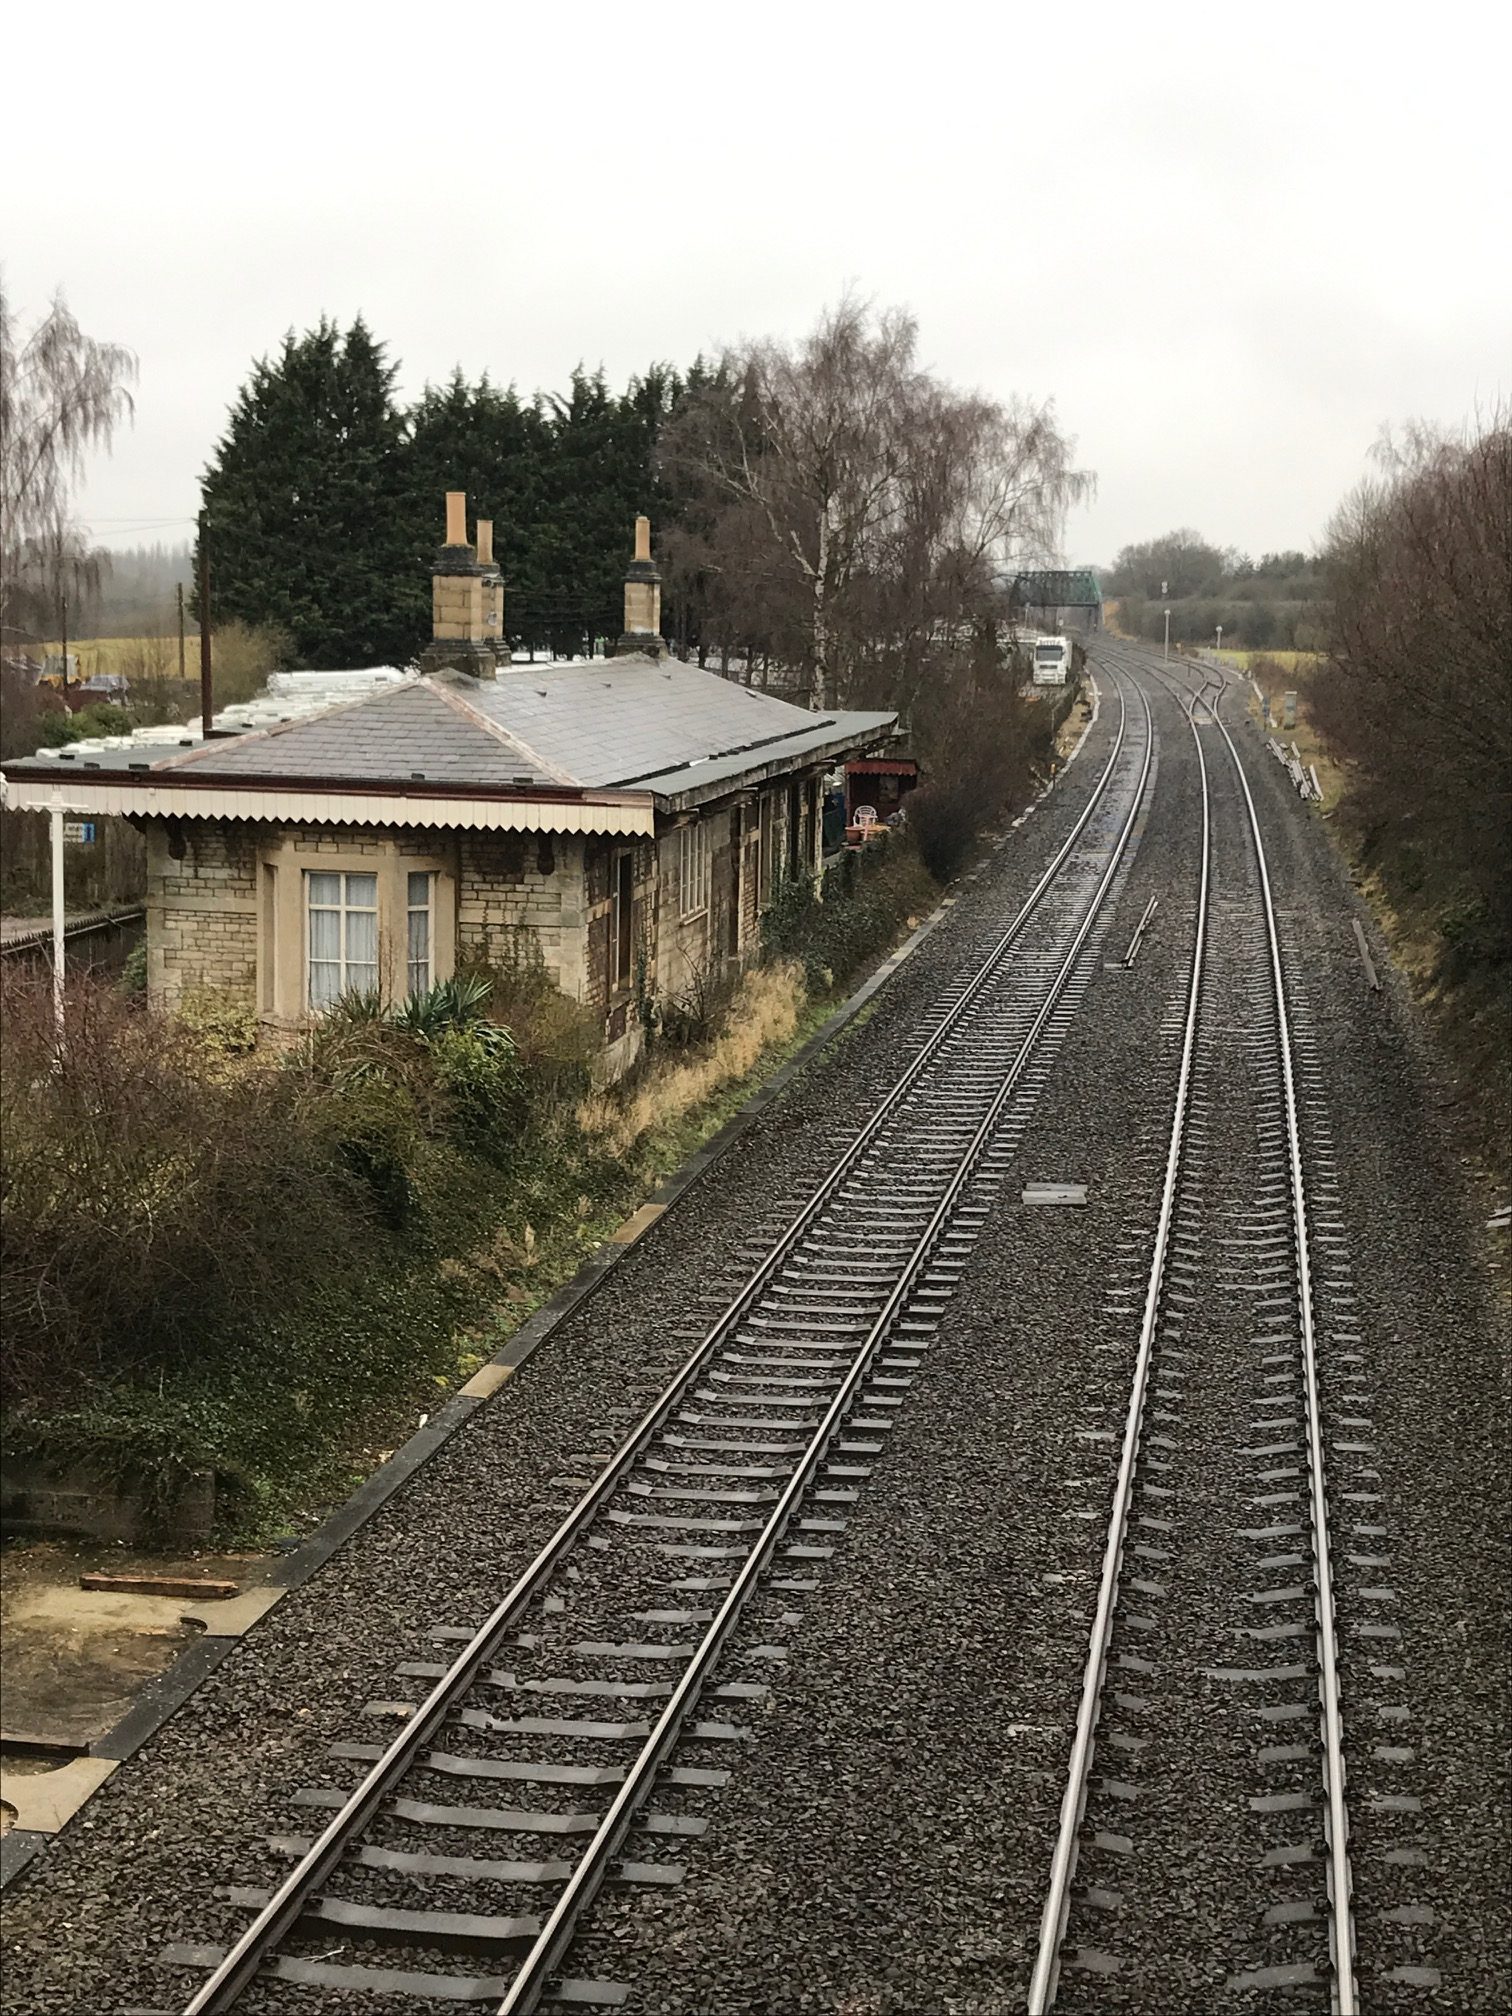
[{"x": 763, "y": 1014}]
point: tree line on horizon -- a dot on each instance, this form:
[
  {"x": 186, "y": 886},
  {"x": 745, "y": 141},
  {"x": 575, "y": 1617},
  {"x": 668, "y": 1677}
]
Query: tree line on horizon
[{"x": 1269, "y": 604}]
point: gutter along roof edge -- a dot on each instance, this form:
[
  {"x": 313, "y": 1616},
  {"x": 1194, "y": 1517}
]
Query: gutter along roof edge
[
  {"x": 174, "y": 796},
  {"x": 25, "y": 773},
  {"x": 721, "y": 780}
]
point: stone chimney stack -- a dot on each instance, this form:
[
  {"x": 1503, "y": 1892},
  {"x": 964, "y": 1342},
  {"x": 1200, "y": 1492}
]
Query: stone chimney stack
[
  {"x": 642, "y": 635},
  {"x": 493, "y": 589},
  {"x": 467, "y": 599}
]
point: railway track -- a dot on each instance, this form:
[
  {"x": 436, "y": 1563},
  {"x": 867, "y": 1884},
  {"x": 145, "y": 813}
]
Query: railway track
[
  {"x": 1204, "y": 1807},
  {"x": 601, "y": 1690}
]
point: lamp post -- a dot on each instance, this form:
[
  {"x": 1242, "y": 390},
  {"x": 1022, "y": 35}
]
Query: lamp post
[
  {"x": 1167, "y": 652},
  {"x": 1220, "y": 640}
]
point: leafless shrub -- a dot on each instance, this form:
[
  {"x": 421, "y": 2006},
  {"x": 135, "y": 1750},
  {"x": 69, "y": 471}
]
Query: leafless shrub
[
  {"x": 1415, "y": 690},
  {"x": 689, "y": 1014},
  {"x": 145, "y": 1189}
]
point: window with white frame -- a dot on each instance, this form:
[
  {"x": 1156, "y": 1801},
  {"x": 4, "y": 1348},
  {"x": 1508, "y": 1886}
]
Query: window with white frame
[
  {"x": 420, "y": 939},
  {"x": 342, "y": 914},
  {"x": 693, "y": 867}
]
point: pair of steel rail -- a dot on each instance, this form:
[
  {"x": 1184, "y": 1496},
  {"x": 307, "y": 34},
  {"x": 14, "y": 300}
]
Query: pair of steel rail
[
  {"x": 302, "y": 1888},
  {"x": 1044, "y": 1978}
]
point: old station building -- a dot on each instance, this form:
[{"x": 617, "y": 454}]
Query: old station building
[{"x": 623, "y": 820}]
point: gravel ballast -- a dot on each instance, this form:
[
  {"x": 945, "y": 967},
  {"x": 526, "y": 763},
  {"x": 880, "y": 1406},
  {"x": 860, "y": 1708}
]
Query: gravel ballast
[
  {"x": 883, "y": 1842},
  {"x": 191, "y": 1811}
]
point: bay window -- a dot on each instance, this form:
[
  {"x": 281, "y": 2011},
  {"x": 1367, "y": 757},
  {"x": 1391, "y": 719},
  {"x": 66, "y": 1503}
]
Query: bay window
[{"x": 351, "y": 918}]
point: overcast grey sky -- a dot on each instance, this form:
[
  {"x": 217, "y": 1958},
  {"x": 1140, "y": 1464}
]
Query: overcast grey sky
[{"x": 1228, "y": 242}]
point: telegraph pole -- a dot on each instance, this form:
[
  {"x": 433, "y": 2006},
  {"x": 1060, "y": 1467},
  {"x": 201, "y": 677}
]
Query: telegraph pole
[
  {"x": 183, "y": 667},
  {"x": 206, "y": 706},
  {"x": 63, "y": 625}
]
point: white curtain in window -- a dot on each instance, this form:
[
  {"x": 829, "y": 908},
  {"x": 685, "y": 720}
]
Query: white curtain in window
[
  {"x": 343, "y": 935},
  {"x": 419, "y": 933},
  {"x": 323, "y": 894},
  {"x": 361, "y": 933}
]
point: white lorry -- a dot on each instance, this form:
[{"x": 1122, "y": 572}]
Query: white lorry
[{"x": 1052, "y": 661}]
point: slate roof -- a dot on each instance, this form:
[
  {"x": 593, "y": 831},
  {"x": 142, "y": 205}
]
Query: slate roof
[
  {"x": 620, "y": 721},
  {"x": 603, "y": 726},
  {"x": 412, "y": 731}
]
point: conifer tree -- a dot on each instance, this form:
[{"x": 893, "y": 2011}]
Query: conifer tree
[
  {"x": 306, "y": 504},
  {"x": 493, "y": 446}
]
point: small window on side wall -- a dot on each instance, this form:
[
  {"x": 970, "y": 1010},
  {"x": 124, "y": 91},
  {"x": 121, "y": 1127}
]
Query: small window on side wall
[
  {"x": 693, "y": 868},
  {"x": 421, "y": 934},
  {"x": 624, "y": 919}
]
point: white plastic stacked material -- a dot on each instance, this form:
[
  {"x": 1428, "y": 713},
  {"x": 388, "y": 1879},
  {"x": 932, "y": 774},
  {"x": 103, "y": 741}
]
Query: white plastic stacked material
[
  {"x": 331, "y": 685},
  {"x": 291, "y": 696}
]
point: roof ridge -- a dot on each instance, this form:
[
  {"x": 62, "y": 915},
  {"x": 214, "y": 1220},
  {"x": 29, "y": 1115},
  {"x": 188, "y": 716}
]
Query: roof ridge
[{"x": 500, "y": 733}]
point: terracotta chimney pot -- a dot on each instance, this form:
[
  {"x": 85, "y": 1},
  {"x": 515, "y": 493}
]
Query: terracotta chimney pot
[
  {"x": 456, "y": 517},
  {"x": 485, "y": 542},
  {"x": 643, "y": 538}
]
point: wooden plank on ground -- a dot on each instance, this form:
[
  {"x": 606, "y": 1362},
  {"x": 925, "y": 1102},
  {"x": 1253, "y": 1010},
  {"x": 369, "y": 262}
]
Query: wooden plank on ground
[{"x": 205, "y": 1588}]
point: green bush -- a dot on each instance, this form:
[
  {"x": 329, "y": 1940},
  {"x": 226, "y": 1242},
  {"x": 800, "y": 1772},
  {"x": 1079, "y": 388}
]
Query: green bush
[
  {"x": 867, "y": 898},
  {"x": 133, "y": 981},
  {"x": 57, "y": 731},
  {"x": 236, "y": 1257}
]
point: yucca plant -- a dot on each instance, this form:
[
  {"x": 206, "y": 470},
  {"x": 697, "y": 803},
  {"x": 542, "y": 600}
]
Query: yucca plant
[{"x": 457, "y": 1003}]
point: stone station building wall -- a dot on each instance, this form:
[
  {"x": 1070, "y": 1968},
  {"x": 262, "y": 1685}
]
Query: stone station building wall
[{"x": 225, "y": 905}]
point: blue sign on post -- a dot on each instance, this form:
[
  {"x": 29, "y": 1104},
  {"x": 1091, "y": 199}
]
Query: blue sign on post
[{"x": 80, "y": 832}]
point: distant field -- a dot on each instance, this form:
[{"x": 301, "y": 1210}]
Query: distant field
[
  {"x": 1290, "y": 661},
  {"x": 140, "y": 655}
]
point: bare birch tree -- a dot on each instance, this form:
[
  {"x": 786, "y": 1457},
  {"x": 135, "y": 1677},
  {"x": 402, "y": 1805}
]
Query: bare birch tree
[
  {"x": 855, "y": 510},
  {"x": 62, "y": 393}
]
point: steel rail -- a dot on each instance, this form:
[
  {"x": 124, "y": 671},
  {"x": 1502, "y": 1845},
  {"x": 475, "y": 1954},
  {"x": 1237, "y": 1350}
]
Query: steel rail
[
  {"x": 289, "y": 1900},
  {"x": 1341, "y": 1915},
  {"x": 1073, "y": 1803},
  {"x": 541, "y": 1962},
  {"x": 1063, "y": 1862}
]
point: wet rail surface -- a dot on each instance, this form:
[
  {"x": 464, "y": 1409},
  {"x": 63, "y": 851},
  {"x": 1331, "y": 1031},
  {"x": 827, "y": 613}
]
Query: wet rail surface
[
  {"x": 1202, "y": 1856},
  {"x": 586, "y": 1725}
]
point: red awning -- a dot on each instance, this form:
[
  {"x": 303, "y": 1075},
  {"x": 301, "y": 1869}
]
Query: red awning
[{"x": 882, "y": 766}]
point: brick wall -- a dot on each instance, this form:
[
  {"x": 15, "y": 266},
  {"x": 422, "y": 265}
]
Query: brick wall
[
  {"x": 202, "y": 910},
  {"x": 522, "y": 892}
]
